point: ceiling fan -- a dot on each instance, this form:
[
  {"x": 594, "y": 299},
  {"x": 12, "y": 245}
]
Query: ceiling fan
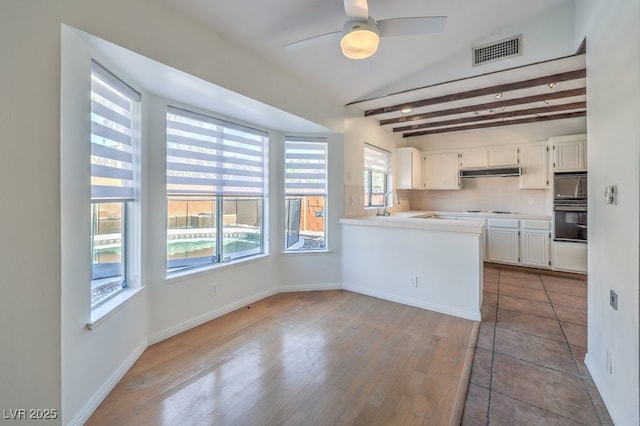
[{"x": 361, "y": 33}]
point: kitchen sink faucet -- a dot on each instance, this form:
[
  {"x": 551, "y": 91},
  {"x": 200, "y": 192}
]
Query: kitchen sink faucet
[{"x": 385, "y": 212}]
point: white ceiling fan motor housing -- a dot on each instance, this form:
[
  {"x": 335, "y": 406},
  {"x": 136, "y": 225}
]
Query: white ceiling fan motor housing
[{"x": 360, "y": 38}]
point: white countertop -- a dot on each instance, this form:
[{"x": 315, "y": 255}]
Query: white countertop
[
  {"x": 429, "y": 220},
  {"x": 486, "y": 215},
  {"x": 419, "y": 220}
]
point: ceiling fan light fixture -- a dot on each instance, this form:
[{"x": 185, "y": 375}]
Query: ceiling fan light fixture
[{"x": 360, "y": 39}]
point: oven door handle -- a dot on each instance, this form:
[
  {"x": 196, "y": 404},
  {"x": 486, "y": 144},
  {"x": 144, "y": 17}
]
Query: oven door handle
[{"x": 569, "y": 208}]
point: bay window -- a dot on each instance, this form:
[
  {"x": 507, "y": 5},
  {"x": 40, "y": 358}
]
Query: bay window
[
  {"x": 114, "y": 127},
  {"x": 215, "y": 190},
  {"x": 305, "y": 187}
]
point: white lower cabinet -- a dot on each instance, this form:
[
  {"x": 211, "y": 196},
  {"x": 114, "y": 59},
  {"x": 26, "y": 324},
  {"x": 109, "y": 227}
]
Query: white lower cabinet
[
  {"x": 570, "y": 257},
  {"x": 535, "y": 238},
  {"x": 502, "y": 241},
  {"x": 503, "y": 245},
  {"x": 519, "y": 242},
  {"x": 535, "y": 248}
]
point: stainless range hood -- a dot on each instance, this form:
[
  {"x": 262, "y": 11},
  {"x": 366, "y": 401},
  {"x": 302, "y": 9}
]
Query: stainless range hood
[{"x": 493, "y": 171}]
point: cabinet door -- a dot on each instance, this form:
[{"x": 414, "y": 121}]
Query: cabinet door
[
  {"x": 416, "y": 170},
  {"x": 432, "y": 171},
  {"x": 570, "y": 155},
  {"x": 474, "y": 159},
  {"x": 535, "y": 248},
  {"x": 503, "y": 156},
  {"x": 502, "y": 245},
  {"x": 409, "y": 170},
  {"x": 534, "y": 160},
  {"x": 450, "y": 176},
  {"x": 570, "y": 257}
]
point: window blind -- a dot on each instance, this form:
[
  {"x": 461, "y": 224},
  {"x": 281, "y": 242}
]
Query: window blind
[
  {"x": 305, "y": 166},
  {"x": 208, "y": 156},
  {"x": 376, "y": 159},
  {"x": 113, "y": 109}
]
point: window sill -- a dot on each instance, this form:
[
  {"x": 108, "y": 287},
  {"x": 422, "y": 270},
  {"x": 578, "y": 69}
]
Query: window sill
[
  {"x": 184, "y": 275},
  {"x": 305, "y": 252},
  {"x": 108, "y": 308}
]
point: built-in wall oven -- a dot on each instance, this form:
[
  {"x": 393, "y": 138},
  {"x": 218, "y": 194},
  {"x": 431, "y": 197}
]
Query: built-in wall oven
[{"x": 570, "y": 207}]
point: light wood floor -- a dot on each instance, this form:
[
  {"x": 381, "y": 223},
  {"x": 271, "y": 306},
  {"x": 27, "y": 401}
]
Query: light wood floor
[{"x": 317, "y": 358}]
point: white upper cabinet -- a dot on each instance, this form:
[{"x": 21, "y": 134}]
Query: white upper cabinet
[
  {"x": 473, "y": 159},
  {"x": 409, "y": 169},
  {"x": 503, "y": 156},
  {"x": 569, "y": 153},
  {"x": 534, "y": 160},
  {"x": 440, "y": 170}
]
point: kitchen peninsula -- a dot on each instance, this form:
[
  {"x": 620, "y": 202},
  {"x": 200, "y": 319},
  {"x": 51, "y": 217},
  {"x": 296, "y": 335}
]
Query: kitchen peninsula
[{"x": 417, "y": 259}]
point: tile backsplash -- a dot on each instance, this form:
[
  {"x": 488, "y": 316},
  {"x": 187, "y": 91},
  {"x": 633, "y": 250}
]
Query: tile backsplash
[{"x": 485, "y": 193}]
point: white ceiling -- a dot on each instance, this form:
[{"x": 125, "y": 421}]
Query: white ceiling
[{"x": 265, "y": 26}]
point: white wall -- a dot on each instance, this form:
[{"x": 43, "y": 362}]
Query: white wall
[
  {"x": 379, "y": 260},
  {"x": 358, "y": 131},
  {"x": 613, "y": 138},
  {"x": 87, "y": 365},
  {"x": 30, "y": 210},
  {"x": 544, "y": 37}
]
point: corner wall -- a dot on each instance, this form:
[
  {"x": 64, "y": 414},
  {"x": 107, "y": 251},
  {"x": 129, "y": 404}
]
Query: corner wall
[
  {"x": 30, "y": 311},
  {"x": 613, "y": 130}
]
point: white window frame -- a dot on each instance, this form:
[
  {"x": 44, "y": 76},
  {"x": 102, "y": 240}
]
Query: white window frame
[
  {"x": 376, "y": 160},
  {"x": 200, "y": 168},
  {"x": 115, "y": 146},
  {"x": 305, "y": 175}
]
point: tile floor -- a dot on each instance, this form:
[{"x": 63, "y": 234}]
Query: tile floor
[{"x": 529, "y": 362}]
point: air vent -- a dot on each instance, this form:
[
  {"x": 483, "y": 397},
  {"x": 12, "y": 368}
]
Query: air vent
[{"x": 499, "y": 50}]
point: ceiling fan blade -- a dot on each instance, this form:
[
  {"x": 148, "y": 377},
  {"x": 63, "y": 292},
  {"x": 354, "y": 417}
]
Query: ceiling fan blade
[
  {"x": 411, "y": 26},
  {"x": 357, "y": 9},
  {"x": 313, "y": 41}
]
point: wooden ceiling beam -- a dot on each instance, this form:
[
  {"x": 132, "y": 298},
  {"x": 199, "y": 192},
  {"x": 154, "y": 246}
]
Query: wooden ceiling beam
[
  {"x": 498, "y": 124},
  {"x": 506, "y": 87},
  {"x": 496, "y": 116},
  {"x": 471, "y": 108}
]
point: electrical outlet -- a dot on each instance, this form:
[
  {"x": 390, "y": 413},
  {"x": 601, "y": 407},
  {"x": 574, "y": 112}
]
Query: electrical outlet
[
  {"x": 413, "y": 279},
  {"x": 213, "y": 289},
  {"x": 613, "y": 299},
  {"x": 609, "y": 363}
]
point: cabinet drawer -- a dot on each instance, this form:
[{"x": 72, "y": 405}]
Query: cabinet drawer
[
  {"x": 503, "y": 223},
  {"x": 542, "y": 225}
]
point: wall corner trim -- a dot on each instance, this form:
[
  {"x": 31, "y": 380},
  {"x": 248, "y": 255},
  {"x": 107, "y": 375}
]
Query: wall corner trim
[{"x": 96, "y": 399}]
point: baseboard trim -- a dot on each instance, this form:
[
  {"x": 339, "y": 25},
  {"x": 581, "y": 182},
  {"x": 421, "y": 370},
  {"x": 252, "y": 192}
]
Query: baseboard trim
[
  {"x": 413, "y": 302},
  {"x": 463, "y": 385},
  {"x": 600, "y": 385},
  {"x": 309, "y": 287},
  {"x": 188, "y": 325},
  {"x": 96, "y": 399}
]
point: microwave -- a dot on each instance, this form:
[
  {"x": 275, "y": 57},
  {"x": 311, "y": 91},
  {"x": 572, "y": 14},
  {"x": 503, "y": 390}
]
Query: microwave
[{"x": 570, "y": 186}]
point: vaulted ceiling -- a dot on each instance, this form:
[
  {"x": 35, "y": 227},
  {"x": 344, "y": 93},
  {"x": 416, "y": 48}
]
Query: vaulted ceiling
[
  {"x": 266, "y": 26},
  {"x": 546, "y": 91}
]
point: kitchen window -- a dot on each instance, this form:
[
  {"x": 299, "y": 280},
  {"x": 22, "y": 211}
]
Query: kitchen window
[
  {"x": 215, "y": 190},
  {"x": 377, "y": 168},
  {"x": 114, "y": 140},
  {"x": 305, "y": 187}
]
